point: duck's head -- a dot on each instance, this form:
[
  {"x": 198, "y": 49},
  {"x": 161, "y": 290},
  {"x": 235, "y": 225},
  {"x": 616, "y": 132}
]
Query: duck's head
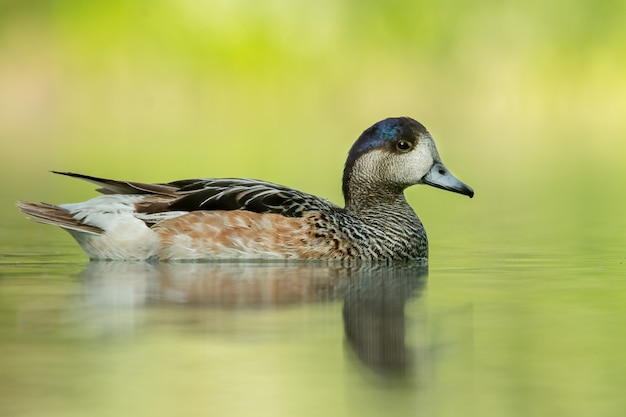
[{"x": 392, "y": 155}]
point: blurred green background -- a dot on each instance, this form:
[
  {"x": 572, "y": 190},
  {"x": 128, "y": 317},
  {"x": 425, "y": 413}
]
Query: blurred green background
[
  {"x": 525, "y": 99},
  {"x": 527, "y": 103}
]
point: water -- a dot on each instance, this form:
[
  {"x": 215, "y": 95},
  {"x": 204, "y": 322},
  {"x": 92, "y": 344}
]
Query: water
[{"x": 525, "y": 331}]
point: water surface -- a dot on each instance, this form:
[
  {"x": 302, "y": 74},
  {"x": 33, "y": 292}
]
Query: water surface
[{"x": 522, "y": 332}]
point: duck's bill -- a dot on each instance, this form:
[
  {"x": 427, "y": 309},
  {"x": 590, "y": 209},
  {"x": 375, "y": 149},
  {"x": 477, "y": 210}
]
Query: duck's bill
[{"x": 440, "y": 177}]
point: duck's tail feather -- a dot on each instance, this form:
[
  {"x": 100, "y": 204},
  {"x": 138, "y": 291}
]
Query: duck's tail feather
[
  {"x": 56, "y": 216},
  {"x": 108, "y": 186}
]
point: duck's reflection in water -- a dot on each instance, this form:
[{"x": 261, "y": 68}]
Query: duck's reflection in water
[
  {"x": 374, "y": 296},
  {"x": 374, "y": 316}
]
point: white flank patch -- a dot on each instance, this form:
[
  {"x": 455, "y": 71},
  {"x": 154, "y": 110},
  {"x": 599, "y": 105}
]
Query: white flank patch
[
  {"x": 125, "y": 236},
  {"x": 105, "y": 210}
]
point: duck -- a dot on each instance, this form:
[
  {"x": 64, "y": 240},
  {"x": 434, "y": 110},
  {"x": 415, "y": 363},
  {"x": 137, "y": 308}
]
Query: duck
[{"x": 238, "y": 219}]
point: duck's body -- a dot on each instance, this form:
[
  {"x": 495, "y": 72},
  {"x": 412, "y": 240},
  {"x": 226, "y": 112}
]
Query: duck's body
[{"x": 249, "y": 219}]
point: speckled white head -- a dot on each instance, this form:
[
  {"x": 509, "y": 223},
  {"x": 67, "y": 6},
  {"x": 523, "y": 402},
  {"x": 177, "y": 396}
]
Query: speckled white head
[{"x": 397, "y": 153}]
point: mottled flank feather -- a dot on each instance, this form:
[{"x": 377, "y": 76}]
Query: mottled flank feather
[
  {"x": 250, "y": 219},
  {"x": 242, "y": 234}
]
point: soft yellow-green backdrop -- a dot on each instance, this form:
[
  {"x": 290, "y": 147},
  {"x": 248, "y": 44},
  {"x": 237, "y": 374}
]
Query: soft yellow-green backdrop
[{"x": 527, "y": 100}]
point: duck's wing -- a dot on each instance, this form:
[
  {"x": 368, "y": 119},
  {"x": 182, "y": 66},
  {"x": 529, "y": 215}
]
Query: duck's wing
[
  {"x": 245, "y": 194},
  {"x": 214, "y": 194}
]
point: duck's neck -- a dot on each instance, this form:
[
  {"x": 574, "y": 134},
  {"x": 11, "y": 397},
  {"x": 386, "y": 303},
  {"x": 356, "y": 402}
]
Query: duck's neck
[
  {"x": 366, "y": 191},
  {"x": 364, "y": 197}
]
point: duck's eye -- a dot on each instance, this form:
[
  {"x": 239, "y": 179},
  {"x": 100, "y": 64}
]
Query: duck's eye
[{"x": 403, "y": 145}]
